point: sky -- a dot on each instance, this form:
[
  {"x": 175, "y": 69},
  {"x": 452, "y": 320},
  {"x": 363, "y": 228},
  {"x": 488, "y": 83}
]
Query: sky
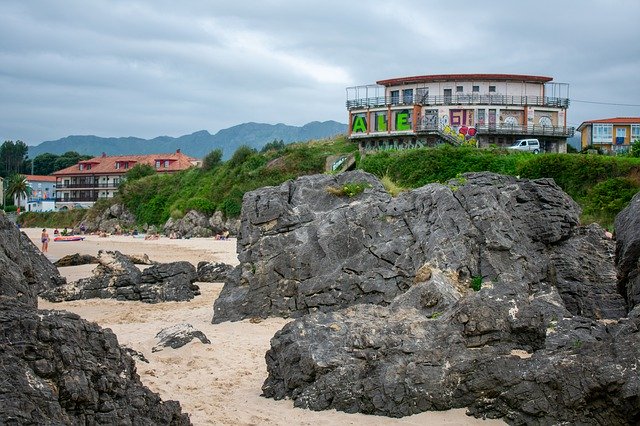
[{"x": 148, "y": 68}]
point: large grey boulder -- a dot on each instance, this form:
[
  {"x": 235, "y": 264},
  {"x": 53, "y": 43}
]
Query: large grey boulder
[
  {"x": 112, "y": 220},
  {"x": 627, "y": 229},
  {"x": 304, "y": 249},
  {"x": 213, "y": 272},
  {"x": 506, "y": 351},
  {"x": 59, "y": 369},
  {"x": 24, "y": 270},
  {"x": 197, "y": 224},
  {"x": 117, "y": 277}
]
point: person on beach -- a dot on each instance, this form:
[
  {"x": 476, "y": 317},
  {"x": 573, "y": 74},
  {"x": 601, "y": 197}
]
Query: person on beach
[{"x": 44, "y": 238}]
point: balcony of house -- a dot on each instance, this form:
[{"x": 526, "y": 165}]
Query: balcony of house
[
  {"x": 457, "y": 99},
  {"x": 76, "y": 199},
  {"x": 88, "y": 185},
  {"x": 506, "y": 129}
]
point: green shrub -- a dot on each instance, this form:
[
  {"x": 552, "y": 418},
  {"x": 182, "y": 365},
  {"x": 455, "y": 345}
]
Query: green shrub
[
  {"x": 200, "y": 204},
  {"x": 241, "y": 155},
  {"x": 476, "y": 282},
  {"x": 607, "y": 198}
]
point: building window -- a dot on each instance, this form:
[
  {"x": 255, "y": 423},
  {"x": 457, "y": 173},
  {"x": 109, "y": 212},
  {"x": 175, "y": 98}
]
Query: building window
[
  {"x": 602, "y": 133},
  {"x": 81, "y": 166},
  {"x": 635, "y": 132},
  {"x": 117, "y": 164},
  {"x": 492, "y": 89},
  {"x": 476, "y": 89},
  {"x": 407, "y": 96},
  {"x": 157, "y": 164},
  {"x": 166, "y": 164},
  {"x": 116, "y": 181},
  {"x": 126, "y": 165},
  {"x": 459, "y": 89},
  {"x": 395, "y": 97}
]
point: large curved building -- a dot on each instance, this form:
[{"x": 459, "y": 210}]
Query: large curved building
[{"x": 479, "y": 109}]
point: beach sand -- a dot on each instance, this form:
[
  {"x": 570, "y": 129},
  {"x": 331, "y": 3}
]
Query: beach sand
[{"x": 218, "y": 383}]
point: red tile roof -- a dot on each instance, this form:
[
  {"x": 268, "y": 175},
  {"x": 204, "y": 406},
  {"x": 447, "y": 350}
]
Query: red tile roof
[
  {"x": 40, "y": 178},
  {"x": 104, "y": 165},
  {"x": 464, "y": 77}
]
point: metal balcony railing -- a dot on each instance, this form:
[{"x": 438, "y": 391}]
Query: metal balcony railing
[
  {"x": 89, "y": 185},
  {"x": 76, "y": 199},
  {"x": 458, "y": 99},
  {"x": 506, "y": 129}
]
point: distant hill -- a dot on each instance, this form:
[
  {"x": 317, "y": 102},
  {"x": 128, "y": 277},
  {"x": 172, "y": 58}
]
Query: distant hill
[{"x": 197, "y": 144}]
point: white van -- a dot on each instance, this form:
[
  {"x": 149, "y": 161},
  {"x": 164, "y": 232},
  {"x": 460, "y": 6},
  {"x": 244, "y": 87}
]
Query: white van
[{"x": 531, "y": 145}]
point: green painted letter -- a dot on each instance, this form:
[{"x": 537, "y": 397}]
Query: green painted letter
[
  {"x": 359, "y": 124},
  {"x": 382, "y": 123},
  {"x": 402, "y": 121}
]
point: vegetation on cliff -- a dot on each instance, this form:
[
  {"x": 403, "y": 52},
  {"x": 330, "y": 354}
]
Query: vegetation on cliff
[{"x": 602, "y": 185}]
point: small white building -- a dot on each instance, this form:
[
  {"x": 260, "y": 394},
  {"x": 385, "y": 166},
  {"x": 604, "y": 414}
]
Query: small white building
[{"x": 43, "y": 194}]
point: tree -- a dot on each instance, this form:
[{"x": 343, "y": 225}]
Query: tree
[
  {"x": 18, "y": 187},
  {"x": 13, "y": 156},
  {"x": 212, "y": 160},
  {"x": 68, "y": 159},
  {"x": 44, "y": 164},
  {"x": 275, "y": 145}
]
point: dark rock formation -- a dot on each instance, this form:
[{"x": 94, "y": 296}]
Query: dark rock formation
[
  {"x": 24, "y": 270},
  {"x": 177, "y": 336},
  {"x": 117, "y": 277},
  {"x": 75, "y": 260},
  {"x": 627, "y": 226},
  {"x": 213, "y": 272},
  {"x": 58, "y": 369},
  {"x": 303, "y": 249},
  {"x": 197, "y": 224},
  {"x": 496, "y": 352},
  {"x": 113, "y": 220}
]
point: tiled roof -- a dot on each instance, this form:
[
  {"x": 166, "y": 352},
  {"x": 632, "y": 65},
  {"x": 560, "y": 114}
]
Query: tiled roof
[
  {"x": 40, "y": 178},
  {"x": 615, "y": 120},
  {"x": 107, "y": 164},
  {"x": 464, "y": 77}
]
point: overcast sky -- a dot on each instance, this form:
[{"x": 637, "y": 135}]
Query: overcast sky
[{"x": 165, "y": 67}]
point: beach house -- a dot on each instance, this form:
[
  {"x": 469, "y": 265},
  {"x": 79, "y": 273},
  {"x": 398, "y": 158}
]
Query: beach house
[{"x": 475, "y": 109}]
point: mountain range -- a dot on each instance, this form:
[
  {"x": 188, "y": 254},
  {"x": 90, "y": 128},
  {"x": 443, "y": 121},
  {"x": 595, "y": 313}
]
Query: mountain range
[{"x": 197, "y": 144}]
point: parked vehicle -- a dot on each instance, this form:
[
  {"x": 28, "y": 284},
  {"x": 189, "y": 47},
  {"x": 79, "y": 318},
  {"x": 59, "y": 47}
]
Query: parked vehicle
[{"x": 531, "y": 145}]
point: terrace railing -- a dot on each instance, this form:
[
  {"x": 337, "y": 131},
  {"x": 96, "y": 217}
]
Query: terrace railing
[
  {"x": 506, "y": 129},
  {"x": 458, "y": 99}
]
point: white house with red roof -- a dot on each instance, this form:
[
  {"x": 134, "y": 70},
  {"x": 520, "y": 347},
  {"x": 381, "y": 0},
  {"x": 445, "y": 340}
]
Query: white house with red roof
[
  {"x": 83, "y": 184},
  {"x": 476, "y": 109},
  {"x": 611, "y": 134},
  {"x": 42, "y": 197}
]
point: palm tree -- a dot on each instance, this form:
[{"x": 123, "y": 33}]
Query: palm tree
[{"x": 18, "y": 187}]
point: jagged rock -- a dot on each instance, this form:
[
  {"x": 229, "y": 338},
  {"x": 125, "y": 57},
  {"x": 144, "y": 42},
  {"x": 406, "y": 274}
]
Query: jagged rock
[
  {"x": 197, "y": 224},
  {"x": 117, "y": 277},
  {"x": 135, "y": 354},
  {"x": 140, "y": 259},
  {"x": 24, "y": 270},
  {"x": 112, "y": 220},
  {"x": 177, "y": 336},
  {"x": 213, "y": 272},
  {"x": 168, "y": 282},
  {"x": 304, "y": 249},
  {"x": 75, "y": 260},
  {"x": 59, "y": 369},
  {"x": 627, "y": 228}
]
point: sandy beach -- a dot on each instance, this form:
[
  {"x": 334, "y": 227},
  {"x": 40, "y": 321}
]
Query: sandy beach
[{"x": 218, "y": 383}]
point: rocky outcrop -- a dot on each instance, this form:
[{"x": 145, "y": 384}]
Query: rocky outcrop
[
  {"x": 56, "y": 368},
  {"x": 112, "y": 220},
  {"x": 213, "y": 272},
  {"x": 306, "y": 246},
  {"x": 24, "y": 270},
  {"x": 177, "y": 336},
  {"x": 117, "y": 277},
  {"x": 506, "y": 351},
  {"x": 627, "y": 226},
  {"x": 197, "y": 224},
  {"x": 59, "y": 369}
]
